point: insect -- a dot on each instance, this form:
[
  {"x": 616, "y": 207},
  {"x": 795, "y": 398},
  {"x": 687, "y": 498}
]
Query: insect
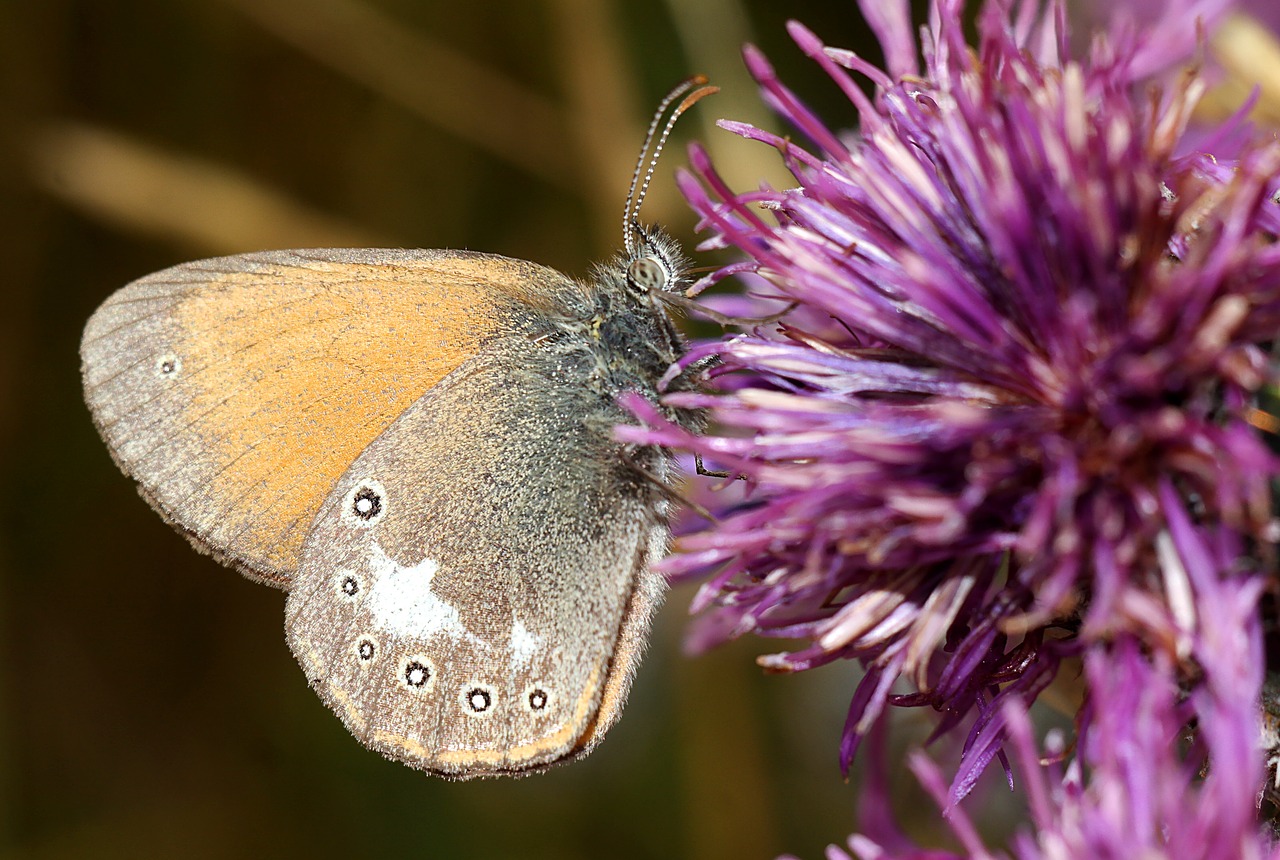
[{"x": 417, "y": 446}]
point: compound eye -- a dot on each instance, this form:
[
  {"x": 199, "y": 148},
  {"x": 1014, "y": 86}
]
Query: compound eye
[{"x": 647, "y": 273}]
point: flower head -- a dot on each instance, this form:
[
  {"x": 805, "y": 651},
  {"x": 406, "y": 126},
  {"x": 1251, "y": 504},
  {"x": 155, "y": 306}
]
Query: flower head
[{"x": 1027, "y": 335}]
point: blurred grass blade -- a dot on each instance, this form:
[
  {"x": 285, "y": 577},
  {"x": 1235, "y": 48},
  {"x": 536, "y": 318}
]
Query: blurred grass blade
[
  {"x": 438, "y": 82},
  {"x": 207, "y": 206}
]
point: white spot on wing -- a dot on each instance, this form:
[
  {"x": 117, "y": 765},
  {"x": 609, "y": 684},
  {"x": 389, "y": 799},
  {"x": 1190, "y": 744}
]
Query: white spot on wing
[
  {"x": 524, "y": 644},
  {"x": 403, "y": 603}
]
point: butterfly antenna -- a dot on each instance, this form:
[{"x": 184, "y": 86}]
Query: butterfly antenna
[
  {"x": 638, "y": 189},
  {"x": 627, "y": 216}
]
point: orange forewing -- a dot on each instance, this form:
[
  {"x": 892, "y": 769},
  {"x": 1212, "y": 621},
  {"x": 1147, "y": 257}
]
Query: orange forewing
[{"x": 237, "y": 390}]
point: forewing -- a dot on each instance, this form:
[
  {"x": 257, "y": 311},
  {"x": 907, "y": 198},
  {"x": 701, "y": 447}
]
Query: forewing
[
  {"x": 237, "y": 390},
  {"x": 474, "y": 594}
]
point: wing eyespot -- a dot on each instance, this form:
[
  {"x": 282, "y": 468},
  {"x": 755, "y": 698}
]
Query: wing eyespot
[
  {"x": 537, "y": 699},
  {"x": 168, "y": 366},
  {"x": 419, "y": 674},
  {"x": 366, "y": 504},
  {"x": 366, "y": 650},
  {"x": 477, "y": 700},
  {"x": 349, "y": 584}
]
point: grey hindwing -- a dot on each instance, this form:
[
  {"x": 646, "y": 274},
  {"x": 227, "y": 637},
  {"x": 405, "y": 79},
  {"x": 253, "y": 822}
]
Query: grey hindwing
[{"x": 475, "y": 590}]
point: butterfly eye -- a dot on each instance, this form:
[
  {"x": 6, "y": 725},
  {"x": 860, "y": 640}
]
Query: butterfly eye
[{"x": 647, "y": 273}]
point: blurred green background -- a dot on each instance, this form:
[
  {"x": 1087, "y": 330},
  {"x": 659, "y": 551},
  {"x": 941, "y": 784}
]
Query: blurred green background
[{"x": 148, "y": 703}]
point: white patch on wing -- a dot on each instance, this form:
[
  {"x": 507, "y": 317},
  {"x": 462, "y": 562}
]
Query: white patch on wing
[
  {"x": 524, "y": 644},
  {"x": 403, "y": 603}
]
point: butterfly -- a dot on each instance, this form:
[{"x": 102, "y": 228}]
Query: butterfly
[{"x": 417, "y": 445}]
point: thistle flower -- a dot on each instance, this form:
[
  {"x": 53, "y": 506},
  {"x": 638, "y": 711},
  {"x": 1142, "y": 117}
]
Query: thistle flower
[
  {"x": 1009, "y": 407},
  {"x": 1135, "y": 788}
]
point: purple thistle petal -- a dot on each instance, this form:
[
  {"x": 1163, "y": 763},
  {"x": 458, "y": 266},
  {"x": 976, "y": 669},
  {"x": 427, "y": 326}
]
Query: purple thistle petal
[
  {"x": 786, "y": 103},
  {"x": 891, "y": 22},
  {"x": 864, "y": 708},
  {"x": 963, "y": 827}
]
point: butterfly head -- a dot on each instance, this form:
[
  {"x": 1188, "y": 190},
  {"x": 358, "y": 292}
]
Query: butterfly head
[{"x": 652, "y": 262}]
